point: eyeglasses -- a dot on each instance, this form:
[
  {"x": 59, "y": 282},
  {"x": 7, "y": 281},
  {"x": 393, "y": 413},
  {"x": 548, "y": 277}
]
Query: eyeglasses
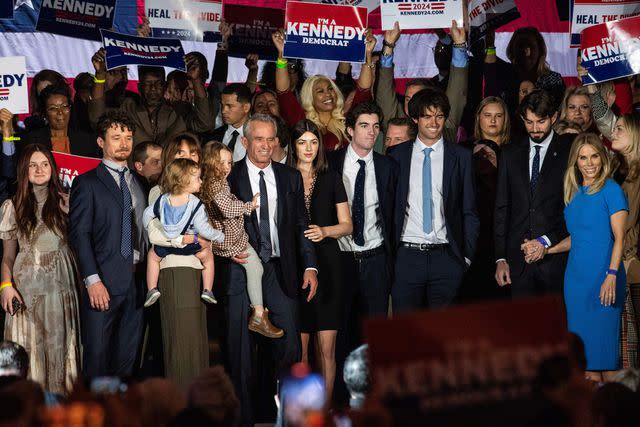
[{"x": 56, "y": 109}]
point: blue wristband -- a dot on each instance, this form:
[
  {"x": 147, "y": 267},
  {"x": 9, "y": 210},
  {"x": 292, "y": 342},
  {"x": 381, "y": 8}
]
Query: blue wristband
[
  {"x": 195, "y": 238},
  {"x": 542, "y": 242},
  {"x": 611, "y": 272}
]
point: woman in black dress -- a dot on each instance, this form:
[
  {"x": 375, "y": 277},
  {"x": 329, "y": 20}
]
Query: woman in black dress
[{"x": 330, "y": 219}]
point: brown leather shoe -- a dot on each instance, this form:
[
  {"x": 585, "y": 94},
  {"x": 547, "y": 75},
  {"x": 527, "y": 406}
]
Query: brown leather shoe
[{"x": 263, "y": 325}]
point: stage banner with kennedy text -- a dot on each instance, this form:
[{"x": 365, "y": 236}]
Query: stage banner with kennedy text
[
  {"x": 122, "y": 49},
  {"x": 586, "y": 13},
  {"x": 465, "y": 366},
  {"x": 76, "y": 18},
  {"x": 487, "y": 15},
  {"x": 325, "y": 32},
  {"x": 611, "y": 50},
  {"x": 70, "y": 166},
  {"x": 6, "y": 9},
  {"x": 13, "y": 85},
  {"x": 251, "y": 29},
  {"x": 194, "y": 20},
  {"x": 420, "y": 14}
]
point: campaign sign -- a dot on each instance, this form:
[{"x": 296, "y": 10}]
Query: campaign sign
[
  {"x": 70, "y": 166},
  {"x": 13, "y": 85},
  {"x": 586, "y": 13},
  {"x": 611, "y": 50},
  {"x": 420, "y": 14},
  {"x": 76, "y": 18},
  {"x": 326, "y": 32},
  {"x": 371, "y": 5},
  {"x": 465, "y": 366},
  {"x": 6, "y": 9},
  {"x": 122, "y": 49},
  {"x": 487, "y": 15},
  {"x": 251, "y": 29},
  {"x": 183, "y": 19}
]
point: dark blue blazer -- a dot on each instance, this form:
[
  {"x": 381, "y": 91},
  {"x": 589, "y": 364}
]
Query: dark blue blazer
[
  {"x": 292, "y": 222},
  {"x": 458, "y": 187},
  {"x": 95, "y": 219},
  {"x": 386, "y": 181}
]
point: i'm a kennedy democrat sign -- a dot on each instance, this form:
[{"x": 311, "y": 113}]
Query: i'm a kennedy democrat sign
[
  {"x": 122, "y": 49},
  {"x": 611, "y": 50},
  {"x": 326, "y": 32},
  {"x": 76, "y": 18}
]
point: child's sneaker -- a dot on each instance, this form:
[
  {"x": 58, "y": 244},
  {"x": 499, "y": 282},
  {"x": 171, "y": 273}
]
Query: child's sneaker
[
  {"x": 207, "y": 296},
  {"x": 152, "y": 297}
]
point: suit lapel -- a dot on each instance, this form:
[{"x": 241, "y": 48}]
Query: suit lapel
[
  {"x": 448, "y": 166},
  {"x": 549, "y": 163},
  {"x": 381, "y": 178},
  {"x": 280, "y": 187},
  {"x": 340, "y": 155},
  {"x": 524, "y": 168},
  {"x": 107, "y": 180}
]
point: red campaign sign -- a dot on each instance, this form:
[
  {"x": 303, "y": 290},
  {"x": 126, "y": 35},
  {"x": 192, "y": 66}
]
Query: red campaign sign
[
  {"x": 70, "y": 166},
  {"x": 325, "y": 32},
  {"x": 457, "y": 366}
]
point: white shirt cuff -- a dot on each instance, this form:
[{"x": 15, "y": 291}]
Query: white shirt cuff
[
  {"x": 92, "y": 280},
  {"x": 311, "y": 268},
  {"x": 546, "y": 239},
  {"x": 468, "y": 261},
  {"x": 501, "y": 259}
]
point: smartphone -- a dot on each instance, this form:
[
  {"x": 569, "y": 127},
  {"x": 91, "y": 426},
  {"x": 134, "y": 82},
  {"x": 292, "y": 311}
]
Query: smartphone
[{"x": 101, "y": 386}]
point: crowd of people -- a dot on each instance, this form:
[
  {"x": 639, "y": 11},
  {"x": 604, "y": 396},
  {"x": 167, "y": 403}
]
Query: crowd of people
[{"x": 258, "y": 224}]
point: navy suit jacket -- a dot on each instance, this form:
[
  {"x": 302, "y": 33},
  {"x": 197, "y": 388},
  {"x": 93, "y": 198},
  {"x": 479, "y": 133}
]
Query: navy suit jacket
[
  {"x": 458, "y": 187},
  {"x": 95, "y": 218},
  {"x": 386, "y": 181},
  {"x": 296, "y": 251}
]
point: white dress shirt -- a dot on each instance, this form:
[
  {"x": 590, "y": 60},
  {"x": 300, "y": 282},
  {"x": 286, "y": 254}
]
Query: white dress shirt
[
  {"x": 413, "y": 230},
  {"x": 544, "y": 146},
  {"x": 272, "y": 194},
  {"x": 372, "y": 233},
  {"x": 238, "y": 150}
]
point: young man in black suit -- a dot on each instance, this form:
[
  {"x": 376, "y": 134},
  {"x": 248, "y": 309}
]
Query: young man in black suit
[
  {"x": 276, "y": 231},
  {"x": 105, "y": 220},
  {"x": 530, "y": 204},
  {"x": 436, "y": 221}
]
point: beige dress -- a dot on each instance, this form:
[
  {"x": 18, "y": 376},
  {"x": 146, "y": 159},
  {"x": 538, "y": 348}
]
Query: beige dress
[{"x": 44, "y": 274}]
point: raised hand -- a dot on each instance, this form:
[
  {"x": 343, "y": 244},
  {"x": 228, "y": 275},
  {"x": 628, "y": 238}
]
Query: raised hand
[
  {"x": 278, "y": 41},
  {"x": 144, "y": 30}
]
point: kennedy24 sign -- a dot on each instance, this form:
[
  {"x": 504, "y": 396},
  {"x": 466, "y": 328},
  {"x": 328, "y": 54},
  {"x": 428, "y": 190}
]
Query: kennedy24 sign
[
  {"x": 13, "y": 85},
  {"x": 326, "y": 32},
  {"x": 76, "y": 18}
]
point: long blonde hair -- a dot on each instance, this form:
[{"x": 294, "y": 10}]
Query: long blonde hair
[
  {"x": 631, "y": 160},
  {"x": 212, "y": 176},
  {"x": 505, "y": 132},
  {"x": 336, "y": 125},
  {"x": 573, "y": 177}
]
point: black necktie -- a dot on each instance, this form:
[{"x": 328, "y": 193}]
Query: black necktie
[
  {"x": 535, "y": 169},
  {"x": 265, "y": 226},
  {"x": 358, "y": 206},
  {"x": 126, "y": 247},
  {"x": 232, "y": 141}
]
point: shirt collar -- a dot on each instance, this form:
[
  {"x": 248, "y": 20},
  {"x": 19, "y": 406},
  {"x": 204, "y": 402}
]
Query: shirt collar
[
  {"x": 240, "y": 130},
  {"x": 545, "y": 142},
  {"x": 113, "y": 165},
  {"x": 256, "y": 170},
  {"x": 420, "y": 146},
  {"x": 353, "y": 156}
]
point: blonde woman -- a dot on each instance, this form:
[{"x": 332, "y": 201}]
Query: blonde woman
[
  {"x": 594, "y": 283},
  {"x": 576, "y": 108},
  {"x": 320, "y": 99}
]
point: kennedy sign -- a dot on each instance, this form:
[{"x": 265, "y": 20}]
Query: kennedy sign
[
  {"x": 13, "y": 85},
  {"x": 184, "y": 19},
  {"x": 122, "y": 49},
  {"x": 76, "y": 18}
]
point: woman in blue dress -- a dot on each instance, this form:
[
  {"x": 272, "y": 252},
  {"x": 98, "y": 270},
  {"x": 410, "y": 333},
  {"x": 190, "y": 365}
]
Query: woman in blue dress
[{"x": 594, "y": 282}]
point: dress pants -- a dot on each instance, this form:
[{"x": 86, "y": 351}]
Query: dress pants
[
  {"x": 540, "y": 278},
  {"x": 111, "y": 339},
  {"x": 282, "y": 312},
  {"x": 426, "y": 278}
]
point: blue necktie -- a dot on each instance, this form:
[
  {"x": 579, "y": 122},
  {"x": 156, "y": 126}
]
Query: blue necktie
[
  {"x": 427, "y": 215},
  {"x": 265, "y": 227},
  {"x": 358, "y": 206},
  {"x": 535, "y": 169},
  {"x": 126, "y": 247}
]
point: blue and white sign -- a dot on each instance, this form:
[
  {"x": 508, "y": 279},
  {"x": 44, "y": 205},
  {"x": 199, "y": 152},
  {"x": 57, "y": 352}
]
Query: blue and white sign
[
  {"x": 122, "y": 49},
  {"x": 76, "y": 18},
  {"x": 13, "y": 85},
  {"x": 326, "y": 32}
]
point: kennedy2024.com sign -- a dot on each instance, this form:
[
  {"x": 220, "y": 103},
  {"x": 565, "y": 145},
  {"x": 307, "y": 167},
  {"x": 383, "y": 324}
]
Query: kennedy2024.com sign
[
  {"x": 326, "y": 32},
  {"x": 122, "y": 49},
  {"x": 76, "y": 18},
  {"x": 13, "y": 85}
]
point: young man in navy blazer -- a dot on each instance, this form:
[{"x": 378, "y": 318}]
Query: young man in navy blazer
[
  {"x": 436, "y": 221},
  {"x": 107, "y": 236}
]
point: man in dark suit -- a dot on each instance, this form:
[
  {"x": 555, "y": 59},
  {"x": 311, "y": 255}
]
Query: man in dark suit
[
  {"x": 235, "y": 106},
  {"x": 276, "y": 232},
  {"x": 106, "y": 233},
  {"x": 370, "y": 180},
  {"x": 436, "y": 221},
  {"x": 530, "y": 202}
]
